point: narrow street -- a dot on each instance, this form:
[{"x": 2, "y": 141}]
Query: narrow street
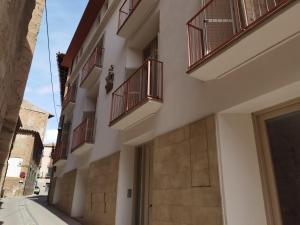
[{"x": 31, "y": 211}]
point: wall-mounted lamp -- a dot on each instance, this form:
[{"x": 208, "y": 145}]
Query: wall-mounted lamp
[{"x": 110, "y": 79}]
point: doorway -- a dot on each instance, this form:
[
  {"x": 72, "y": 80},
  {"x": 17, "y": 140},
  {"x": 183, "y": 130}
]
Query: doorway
[
  {"x": 142, "y": 194},
  {"x": 278, "y": 138}
]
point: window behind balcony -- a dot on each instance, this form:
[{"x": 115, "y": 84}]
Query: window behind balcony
[
  {"x": 151, "y": 52},
  {"x": 100, "y": 54},
  {"x": 91, "y": 128}
]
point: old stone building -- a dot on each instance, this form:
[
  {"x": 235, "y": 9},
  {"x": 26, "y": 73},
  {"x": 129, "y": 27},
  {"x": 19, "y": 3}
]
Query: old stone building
[
  {"x": 27, "y": 151},
  {"x": 19, "y": 27}
]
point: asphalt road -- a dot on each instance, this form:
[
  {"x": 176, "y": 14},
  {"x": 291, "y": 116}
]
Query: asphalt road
[{"x": 31, "y": 211}]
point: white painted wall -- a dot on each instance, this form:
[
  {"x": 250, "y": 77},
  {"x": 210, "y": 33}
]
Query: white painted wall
[
  {"x": 14, "y": 167},
  {"x": 79, "y": 196},
  {"x": 57, "y": 192},
  {"x": 125, "y": 182},
  {"x": 239, "y": 169}
]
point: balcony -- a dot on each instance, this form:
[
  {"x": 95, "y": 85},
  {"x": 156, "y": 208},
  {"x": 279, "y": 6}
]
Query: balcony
[
  {"x": 216, "y": 34},
  {"x": 69, "y": 100},
  {"x": 139, "y": 97},
  {"x": 132, "y": 14},
  {"x": 92, "y": 69},
  {"x": 60, "y": 154},
  {"x": 83, "y": 136}
]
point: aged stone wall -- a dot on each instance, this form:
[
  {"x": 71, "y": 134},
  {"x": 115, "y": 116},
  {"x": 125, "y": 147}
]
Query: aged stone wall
[
  {"x": 19, "y": 26},
  {"x": 185, "y": 181},
  {"x": 33, "y": 118},
  {"x": 67, "y": 192},
  {"x": 102, "y": 191},
  {"x": 12, "y": 187},
  {"x": 24, "y": 147}
]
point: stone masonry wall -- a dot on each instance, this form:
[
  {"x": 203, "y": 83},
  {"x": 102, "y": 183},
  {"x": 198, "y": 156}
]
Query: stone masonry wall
[
  {"x": 23, "y": 148},
  {"x": 35, "y": 119},
  {"x": 32, "y": 119},
  {"x": 102, "y": 191},
  {"x": 19, "y": 27},
  {"x": 185, "y": 186},
  {"x": 67, "y": 191},
  {"x": 12, "y": 187}
]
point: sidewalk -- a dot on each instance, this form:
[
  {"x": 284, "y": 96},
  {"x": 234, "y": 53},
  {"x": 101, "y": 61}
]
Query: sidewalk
[{"x": 32, "y": 210}]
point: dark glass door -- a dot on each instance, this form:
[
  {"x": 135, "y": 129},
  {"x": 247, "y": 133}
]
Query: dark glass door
[{"x": 284, "y": 142}]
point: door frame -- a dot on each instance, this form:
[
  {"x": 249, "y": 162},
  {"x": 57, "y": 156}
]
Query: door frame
[
  {"x": 142, "y": 216},
  {"x": 269, "y": 186}
]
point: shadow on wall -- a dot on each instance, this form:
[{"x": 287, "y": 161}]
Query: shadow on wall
[{"x": 1, "y": 203}]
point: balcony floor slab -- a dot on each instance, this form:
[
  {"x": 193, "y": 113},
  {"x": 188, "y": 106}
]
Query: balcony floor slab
[
  {"x": 60, "y": 162},
  {"x": 91, "y": 78},
  {"x": 137, "y": 115},
  {"x": 83, "y": 149},
  {"x": 136, "y": 18}
]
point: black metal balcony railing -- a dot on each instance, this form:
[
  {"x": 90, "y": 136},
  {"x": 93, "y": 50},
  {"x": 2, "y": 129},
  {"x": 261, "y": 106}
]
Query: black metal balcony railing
[
  {"x": 145, "y": 84},
  {"x": 94, "y": 60},
  {"x": 126, "y": 10},
  {"x": 220, "y": 22},
  {"x": 84, "y": 133}
]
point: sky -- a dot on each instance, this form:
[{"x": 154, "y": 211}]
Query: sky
[{"x": 63, "y": 18}]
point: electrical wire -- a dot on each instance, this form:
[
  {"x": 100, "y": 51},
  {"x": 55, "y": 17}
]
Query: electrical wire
[{"x": 50, "y": 64}]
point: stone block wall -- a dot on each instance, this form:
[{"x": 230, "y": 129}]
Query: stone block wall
[
  {"x": 19, "y": 27},
  {"x": 33, "y": 118},
  {"x": 185, "y": 181},
  {"x": 12, "y": 187},
  {"x": 23, "y": 148},
  {"x": 67, "y": 192},
  {"x": 101, "y": 193}
]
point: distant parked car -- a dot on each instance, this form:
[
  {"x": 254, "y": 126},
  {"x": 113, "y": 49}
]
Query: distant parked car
[{"x": 36, "y": 190}]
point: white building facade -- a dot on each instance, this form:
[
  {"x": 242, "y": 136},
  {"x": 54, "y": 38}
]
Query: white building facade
[{"x": 201, "y": 121}]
